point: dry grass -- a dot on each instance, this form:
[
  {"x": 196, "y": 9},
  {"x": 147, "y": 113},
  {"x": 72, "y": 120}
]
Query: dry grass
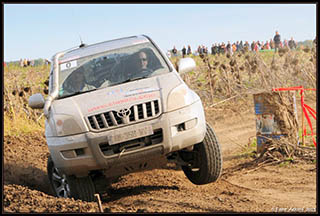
[{"x": 219, "y": 80}]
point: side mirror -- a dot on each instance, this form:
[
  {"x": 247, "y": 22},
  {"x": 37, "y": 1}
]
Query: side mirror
[
  {"x": 36, "y": 101},
  {"x": 186, "y": 65}
]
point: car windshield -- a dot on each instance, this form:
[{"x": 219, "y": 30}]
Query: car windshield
[{"x": 110, "y": 68}]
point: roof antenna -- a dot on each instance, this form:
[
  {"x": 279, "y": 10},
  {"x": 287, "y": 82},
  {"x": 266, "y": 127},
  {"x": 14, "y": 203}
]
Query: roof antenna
[{"x": 82, "y": 44}]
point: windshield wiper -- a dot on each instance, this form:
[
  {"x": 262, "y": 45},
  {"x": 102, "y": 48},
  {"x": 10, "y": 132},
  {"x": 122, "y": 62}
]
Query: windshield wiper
[
  {"x": 133, "y": 79},
  {"x": 77, "y": 93}
]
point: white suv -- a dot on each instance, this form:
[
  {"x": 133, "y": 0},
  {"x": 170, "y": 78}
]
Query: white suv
[{"x": 118, "y": 107}]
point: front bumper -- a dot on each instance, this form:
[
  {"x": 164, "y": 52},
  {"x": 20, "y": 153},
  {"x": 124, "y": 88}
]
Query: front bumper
[{"x": 82, "y": 153}]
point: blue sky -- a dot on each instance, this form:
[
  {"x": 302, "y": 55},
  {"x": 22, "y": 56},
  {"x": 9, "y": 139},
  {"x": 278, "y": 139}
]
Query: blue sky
[{"x": 41, "y": 30}]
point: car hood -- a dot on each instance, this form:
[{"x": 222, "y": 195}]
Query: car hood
[{"x": 118, "y": 97}]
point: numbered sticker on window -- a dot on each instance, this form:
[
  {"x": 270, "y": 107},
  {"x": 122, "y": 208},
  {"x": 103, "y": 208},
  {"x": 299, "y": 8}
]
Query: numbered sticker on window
[{"x": 68, "y": 65}]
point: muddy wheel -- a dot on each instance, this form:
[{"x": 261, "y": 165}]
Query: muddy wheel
[
  {"x": 205, "y": 161},
  {"x": 70, "y": 186}
]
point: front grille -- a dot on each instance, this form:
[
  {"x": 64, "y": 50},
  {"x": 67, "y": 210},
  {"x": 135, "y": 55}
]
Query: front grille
[
  {"x": 138, "y": 112},
  {"x": 155, "y": 138}
]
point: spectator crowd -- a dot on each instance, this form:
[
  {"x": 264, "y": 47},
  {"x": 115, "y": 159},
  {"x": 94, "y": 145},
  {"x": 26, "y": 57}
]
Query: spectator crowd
[
  {"x": 26, "y": 63},
  {"x": 255, "y": 46},
  {"x": 32, "y": 63}
]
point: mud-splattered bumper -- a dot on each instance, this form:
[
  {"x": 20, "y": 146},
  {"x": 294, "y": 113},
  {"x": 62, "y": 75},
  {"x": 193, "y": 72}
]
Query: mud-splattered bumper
[{"x": 80, "y": 154}]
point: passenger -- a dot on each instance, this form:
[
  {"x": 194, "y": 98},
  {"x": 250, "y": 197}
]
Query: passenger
[{"x": 77, "y": 82}]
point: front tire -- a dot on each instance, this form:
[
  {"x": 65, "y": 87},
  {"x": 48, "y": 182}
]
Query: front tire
[
  {"x": 70, "y": 186},
  {"x": 205, "y": 161}
]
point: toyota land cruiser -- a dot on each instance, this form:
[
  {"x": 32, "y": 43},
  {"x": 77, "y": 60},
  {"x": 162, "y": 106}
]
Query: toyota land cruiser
[{"x": 118, "y": 107}]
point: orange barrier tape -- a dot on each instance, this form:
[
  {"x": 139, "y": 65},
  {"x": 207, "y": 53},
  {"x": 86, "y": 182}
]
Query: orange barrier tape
[
  {"x": 288, "y": 89},
  {"x": 311, "y": 111},
  {"x": 309, "y": 122},
  {"x": 305, "y": 108}
]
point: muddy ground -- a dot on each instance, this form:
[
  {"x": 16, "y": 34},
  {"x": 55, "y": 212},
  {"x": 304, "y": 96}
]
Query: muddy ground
[{"x": 280, "y": 188}]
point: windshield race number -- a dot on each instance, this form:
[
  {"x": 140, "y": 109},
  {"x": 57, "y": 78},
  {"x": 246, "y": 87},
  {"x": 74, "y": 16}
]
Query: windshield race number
[{"x": 68, "y": 65}]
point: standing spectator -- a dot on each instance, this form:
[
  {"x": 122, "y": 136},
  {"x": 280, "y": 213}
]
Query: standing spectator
[
  {"x": 219, "y": 49},
  {"x": 234, "y": 47},
  {"x": 223, "y": 48},
  {"x": 25, "y": 63},
  {"x": 205, "y": 50},
  {"x": 174, "y": 51},
  {"x": 216, "y": 48},
  {"x": 189, "y": 52},
  {"x": 21, "y": 63},
  {"x": 259, "y": 44},
  {"x": 252, "y": 45},
  {"x": 229, "y": 48},
  {"x": 314, "y": 44},
  {"x": 241, "y": 46},
  {"x": 256, "y": 47},
  {"x": 32, "y": 63},
  {"x": 292, "y": 44},
  {"x": 267, "y": 45},
  {"x": 47, "y": 62},
  {"x": 200, "y": 50},
  {"x": 184, "y": 51},
  {"x": 277, "y": 41},
  {"x": 169, "y": 54},
  {"x": 271, "y": 43},
  {"x": 285, "y": 44},
  {"x": 246, "y": 46},
  {"x": 262, "y": 46},
  {"x": 213, "y": 52}
]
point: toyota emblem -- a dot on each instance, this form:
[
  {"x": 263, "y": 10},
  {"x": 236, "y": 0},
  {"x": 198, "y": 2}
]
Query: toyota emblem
[{"x": 123, "y": 113}]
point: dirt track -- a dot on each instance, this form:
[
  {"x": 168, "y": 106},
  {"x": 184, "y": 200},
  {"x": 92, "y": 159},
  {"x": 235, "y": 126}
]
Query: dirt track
[{"x": 289, "y": 188}]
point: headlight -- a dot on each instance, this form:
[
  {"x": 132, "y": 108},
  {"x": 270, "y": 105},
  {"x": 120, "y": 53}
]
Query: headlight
[
  {"x": 66, "y": 125},
  {"x": 181, "y": 96}
]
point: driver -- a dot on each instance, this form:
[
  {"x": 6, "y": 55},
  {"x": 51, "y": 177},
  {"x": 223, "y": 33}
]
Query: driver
[
  {"x": 142, "y": 64},
  {"x": 143, "y": 60}
]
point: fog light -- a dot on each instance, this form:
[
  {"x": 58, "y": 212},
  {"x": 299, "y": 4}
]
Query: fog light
[
  {"x": 69, "y": 154},
  {"x": 190, "y": 124},
  {"x": 79, "y": 151},
  {"x": 181, "y": 127}
]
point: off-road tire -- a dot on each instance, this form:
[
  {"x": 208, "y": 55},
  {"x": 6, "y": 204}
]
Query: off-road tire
[
  {"x": 51, "y": 172},
  {"x": 78, "y": 188},
  {"x": 208, "y": 159},
  {"x": 81, "y": 188}
]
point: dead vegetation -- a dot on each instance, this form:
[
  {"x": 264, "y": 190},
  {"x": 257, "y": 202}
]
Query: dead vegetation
[
  {"x": 222, "y": 81},
  {"x": 20, "y": 84},
  {"x": 230, "y": 81},
  {"x": 220, "y": 77}
]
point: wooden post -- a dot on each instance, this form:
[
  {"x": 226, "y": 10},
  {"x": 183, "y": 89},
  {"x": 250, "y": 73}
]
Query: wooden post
[
  {"x": 302, "y": 118},
  {"x": 99, "y": 202}
]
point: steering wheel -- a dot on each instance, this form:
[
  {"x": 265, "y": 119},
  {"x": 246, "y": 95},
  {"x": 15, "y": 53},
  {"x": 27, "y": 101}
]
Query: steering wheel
[{"x": 146, "y": 72}]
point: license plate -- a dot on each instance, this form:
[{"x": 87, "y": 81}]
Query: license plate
[{"x": 129, "y": 134}]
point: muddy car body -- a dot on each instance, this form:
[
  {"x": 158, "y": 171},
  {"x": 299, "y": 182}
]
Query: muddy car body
[{"x": 126, "y": 119}]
